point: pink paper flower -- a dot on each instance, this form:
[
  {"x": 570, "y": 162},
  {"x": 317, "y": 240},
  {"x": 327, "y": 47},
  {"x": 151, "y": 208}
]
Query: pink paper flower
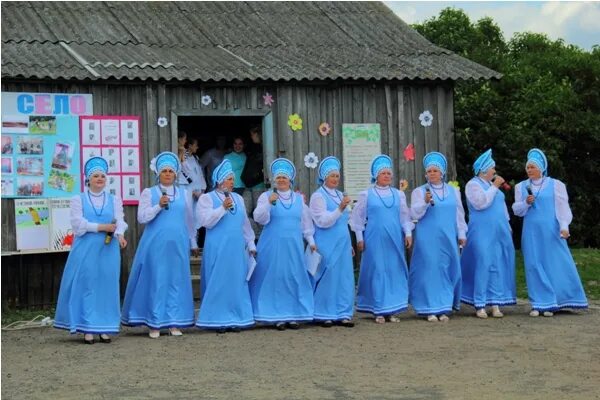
[
  {"x": 324, "y": 129},
  {"x": 268, "y": 99},
  {"x": 409, "y": 152}
]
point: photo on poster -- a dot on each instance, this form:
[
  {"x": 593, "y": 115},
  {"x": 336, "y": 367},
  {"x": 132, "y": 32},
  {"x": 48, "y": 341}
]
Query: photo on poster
[
  {"x": 90, "y": 135},
  {"x": 32, "y": 222},
  {"x": 63, "y": 155},
  {"x": 8, "y": 186},
  {"x": 129, "y": 133},
  {"x": 15, "y": 124},
  {"x": 110, "y": 132},
  {"x": 42, "y": 124},
  {"x": 30, "y": 166},
  {"x": 113, "y": 185},
  {"x": 112, "y": 155},
  {"x": 30, "y": 186},
  {"x": 7, "y": 165},
  {"x": 130, "y": 159},
  {"x": 61, "y": 235},
  {"x": 89, "y": 152},
  {"x": 61, "y": 180},
  {"x": 131, "y": 188},
  {"x": 7, "y": 144},
  {"x": 31, "y": 145}
]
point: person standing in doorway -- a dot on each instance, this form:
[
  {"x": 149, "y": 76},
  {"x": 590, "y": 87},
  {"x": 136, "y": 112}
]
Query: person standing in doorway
[
  {"x": 238, "y": 160},
  {"x": 253, "y": 174},
  {"x": 213, "y": 157}
]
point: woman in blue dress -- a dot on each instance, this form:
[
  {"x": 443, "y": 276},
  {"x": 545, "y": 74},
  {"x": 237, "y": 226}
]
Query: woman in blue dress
[
  {"x": 552, "y": 279},
  {"x": 89, "y": 300},
  {"x": 383, "y": 279},
  {"x": 488, "y": 259},
  {"x": 334, "y": 280},
  {"x": 434, "y": 278},
  {"x": 226, "y": 303},
  {"x": 159, "y": 291},
  {"x": 280, "y": 287}
]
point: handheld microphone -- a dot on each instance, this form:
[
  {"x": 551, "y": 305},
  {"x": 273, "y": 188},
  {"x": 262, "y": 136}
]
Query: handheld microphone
[
  {"x": 274, "y": 201},
  {"x": 226, "y": 193},
  {"x": 504, "y": 186},
  {"x": 164, "y": 193},
  {"x": 109, "y": 235},
  {"x": 431, "y": 202},
  {"x": 529, "y": 191}
]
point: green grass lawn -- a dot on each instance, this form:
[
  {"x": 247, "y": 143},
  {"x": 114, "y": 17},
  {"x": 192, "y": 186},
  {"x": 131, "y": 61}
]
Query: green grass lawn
[{"x": 588, "y": 265}]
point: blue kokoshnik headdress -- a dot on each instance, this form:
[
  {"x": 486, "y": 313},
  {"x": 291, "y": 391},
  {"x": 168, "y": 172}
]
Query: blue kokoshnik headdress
[
  {"x": 378, "y": 164},
  {"x": 222, "y": 172},
  {"x": 327, "y": 166},
  {"x": 283, "y": 166},
  {"x": 437, "y": 160},
  {"x": 166, "y": 159},
  {"x": 95, "y": 164},
  {"x": 484, "y": 162},
  {"x": 538, "y": 158}
]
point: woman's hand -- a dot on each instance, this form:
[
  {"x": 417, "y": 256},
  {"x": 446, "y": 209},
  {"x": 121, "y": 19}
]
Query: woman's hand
[
  {"x": 196, "y": 194},
  {"x": 252, "y": 253},
  {"x": 462, "y": 242},
  {"x": 164, "y": 201},
  {"x": 227, "y": 203},
  {"x": 564, "y": 233},
  {"x": 530, "y": 199},
  {"x": 408, "y": 242},
  {"x": 360, "y": 245},
  {"x": 498, "y": 181},
  {"x": 107, "y": 228},
  {"x": 122, "y": 241},
  {"x": 344, "y": 203},
  {"x": 313, "y": 248},
  {"x": 196, "y": 252},
  {"x": 428, "y": 197},
  {"x": 273, "y": 197}
]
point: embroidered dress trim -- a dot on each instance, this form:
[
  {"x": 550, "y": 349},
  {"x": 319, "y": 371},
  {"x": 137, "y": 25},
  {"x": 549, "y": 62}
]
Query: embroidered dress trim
[
  {"x": 508, "y": 302},
  {"x": 161, "y": 325}
]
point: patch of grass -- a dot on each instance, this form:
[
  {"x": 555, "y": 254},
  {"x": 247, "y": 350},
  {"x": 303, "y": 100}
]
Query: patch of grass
[
  {"x": 588, "y": 265},
  {"x": 9, "y": 316}
]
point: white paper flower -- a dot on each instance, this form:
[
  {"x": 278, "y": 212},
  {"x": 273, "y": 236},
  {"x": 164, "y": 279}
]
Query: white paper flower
[
  {"x": 426, "y": 118},
  {"x": 206, "y": 100},
  {"x": 311, "y": 160},
  {"x": 153, "y": 165},
  {"x": 162, "y": 122}
]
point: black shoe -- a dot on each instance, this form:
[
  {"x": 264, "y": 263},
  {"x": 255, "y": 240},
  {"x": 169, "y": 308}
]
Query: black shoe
[
  {"x": 293, "y": 325},
  {"x": 91, "y": 341},
  {"x": 347, "y": 323},
  {"x": 327, "y": 324},
  {"x": 221, "y": 330},
  {"x": 280, "y": 326},
  {"x": 104, "y": 340},
  {"x": 235, "y": 329}
]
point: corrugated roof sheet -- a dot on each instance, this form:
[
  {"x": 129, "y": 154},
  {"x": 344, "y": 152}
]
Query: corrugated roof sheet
[{"x": 214, "y": 41}]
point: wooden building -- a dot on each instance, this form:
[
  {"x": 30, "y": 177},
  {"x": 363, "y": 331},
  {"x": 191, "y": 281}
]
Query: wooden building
[{"x": 335, "y": 62}]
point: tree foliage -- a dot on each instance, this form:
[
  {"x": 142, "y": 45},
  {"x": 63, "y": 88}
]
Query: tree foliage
[{"x": 548, "y": 97}]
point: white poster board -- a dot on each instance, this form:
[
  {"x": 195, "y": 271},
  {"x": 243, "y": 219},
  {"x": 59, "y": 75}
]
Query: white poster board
[{"x": 360, "y": 144}]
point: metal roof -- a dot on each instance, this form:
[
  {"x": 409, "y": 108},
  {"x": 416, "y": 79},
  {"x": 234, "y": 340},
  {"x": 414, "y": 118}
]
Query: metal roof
[{"x": 216, "y": 41}]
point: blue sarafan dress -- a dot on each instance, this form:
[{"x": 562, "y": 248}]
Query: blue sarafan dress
[
  {"x": 159, "y": 291},
  {"x": 225, "y": 293},
  {"x": 334, "y": 281},
  {"x": 552, "y": 279},
  {"x": 89, "y": 300},
  {"x": 383, "y": 279},
  {"x": 280, "y": 288},
  {"x": 434, "y": 279},
  {"x": 488, "y": 259}
]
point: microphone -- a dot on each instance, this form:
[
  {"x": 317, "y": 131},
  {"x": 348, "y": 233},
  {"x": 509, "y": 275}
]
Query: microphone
[
  {"x": 226, "y": 193},
  {"x": 504, "y": 186},
  {"x": 530, "y": 193},
  {"x": 164, "y": 193},
  {"x": 274, "y": 201},
  {"x": 109, "y": 235},
  {"x": 431, "y": 202}
]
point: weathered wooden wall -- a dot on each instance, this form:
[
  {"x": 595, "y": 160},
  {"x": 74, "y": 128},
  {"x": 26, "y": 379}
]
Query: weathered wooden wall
[{"x": 394, "y": 105}]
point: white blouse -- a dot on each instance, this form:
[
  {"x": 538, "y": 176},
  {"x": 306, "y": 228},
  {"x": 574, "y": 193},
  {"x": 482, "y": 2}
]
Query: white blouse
[
  {"x": 481, "y": 198},
  {"x": 418, "y": 207},
  {"x": 147, "y": 212},
  {"x": 318, "y": 207},
  {"x": 562, "y": 210},
  {"x": 358, "y": 218},
  {"x": 262, "y": 213},
  {"x": 193, "y": 170},
  {"x": 81, "y": 225},
  {"x": 208, "y": 216}
]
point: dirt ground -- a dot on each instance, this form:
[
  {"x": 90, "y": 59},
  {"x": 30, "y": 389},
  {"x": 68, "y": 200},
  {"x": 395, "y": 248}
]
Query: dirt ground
[{"x": 517, "y": 357}]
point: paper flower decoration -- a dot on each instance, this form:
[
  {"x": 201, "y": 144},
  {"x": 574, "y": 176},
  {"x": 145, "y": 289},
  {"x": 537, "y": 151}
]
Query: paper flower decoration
[
  {"x": 295, "y": 122},
  {"x": 454, "y": 184},
  {"x": 403, "y": 184},
  {"x": 206, "y": 100},
  {"x": 324, "y": 129},
  {"x": 426, "y": 118},
  {"x": 268, "y": 99},
  {"x": 409, "y": 152},
  {"x": 311, "y": 160},
  {"x": 162, "y": 122}
]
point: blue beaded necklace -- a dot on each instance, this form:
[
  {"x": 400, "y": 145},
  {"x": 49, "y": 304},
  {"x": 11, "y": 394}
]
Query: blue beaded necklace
[
  {"x": 92, "y": 204},
  {"x": 287, "y": 198},
  {"x": 381, "y": 198},
  {"x": 433, "y": 190},
  {"x": 537, "y": 193},
  {"x": 336, "y": 199}
]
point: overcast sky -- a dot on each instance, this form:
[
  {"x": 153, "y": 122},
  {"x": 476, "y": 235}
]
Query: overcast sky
[{"x": 576, "y": 22}]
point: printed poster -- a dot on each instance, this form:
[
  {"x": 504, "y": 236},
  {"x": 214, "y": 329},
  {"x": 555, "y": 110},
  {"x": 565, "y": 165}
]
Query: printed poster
[
  {"x": 32, "y": 220},
  {"x": 61, "y": 233},
  {"x": 361, "y": 143}
]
